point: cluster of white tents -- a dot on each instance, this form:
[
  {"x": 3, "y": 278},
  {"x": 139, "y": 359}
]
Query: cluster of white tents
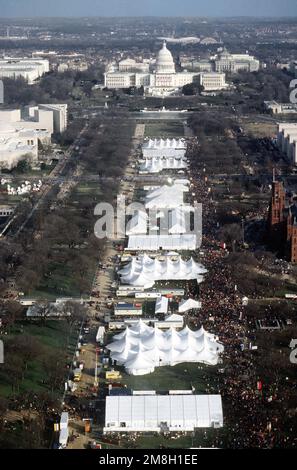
[
  {"x": 158, "y": 164},
  {"x": 142, "y": 348},
  {"x": 143, "y": 271},
  {"x": 159, "y": 155},
  {"x": 164, "y": 204},
  {"x": 25, "y": 188},
  {"x": 175, "y": 221},
  {"x": 166, "y": 217},
  {"x": 164, "y": 148},
  {"x": 186, "y": 305}
]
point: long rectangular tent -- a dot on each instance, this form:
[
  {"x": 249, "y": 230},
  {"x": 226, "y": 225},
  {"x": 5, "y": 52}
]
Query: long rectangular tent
[
  {"x": 167, "y": 413},
  {"x": 186, "y": 242}
]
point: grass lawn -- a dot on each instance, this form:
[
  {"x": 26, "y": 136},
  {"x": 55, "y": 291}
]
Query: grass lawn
[
  {"x": 260, "y": 130},
  {"x": 61, "y": 282},
  {"x": 6, "y": 199},
  {"x": 179, "y": 377},
  {"x": 56, "y": 336},
  {"x": 91, "y": 188},
  {"x": 201, "y": 438},
  {"x": 164, "y": 129}
]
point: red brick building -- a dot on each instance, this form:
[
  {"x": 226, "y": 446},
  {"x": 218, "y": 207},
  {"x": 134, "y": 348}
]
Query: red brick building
[{"x": 282, "y": 221}]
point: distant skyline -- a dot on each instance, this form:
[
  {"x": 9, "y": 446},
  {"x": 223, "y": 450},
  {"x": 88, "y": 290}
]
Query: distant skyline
[{"x": 211, "y": 8}]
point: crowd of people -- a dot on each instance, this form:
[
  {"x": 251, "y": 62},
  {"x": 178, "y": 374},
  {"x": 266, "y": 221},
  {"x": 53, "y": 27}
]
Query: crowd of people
[{"x": 254, "y": 413}]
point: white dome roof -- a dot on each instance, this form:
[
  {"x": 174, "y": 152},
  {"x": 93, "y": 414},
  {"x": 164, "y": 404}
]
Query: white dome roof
[{"x": 165, "y": 62}]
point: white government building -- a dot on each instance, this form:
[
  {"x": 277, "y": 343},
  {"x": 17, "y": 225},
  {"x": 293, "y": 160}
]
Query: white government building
[
  {"x": 27, "y": 68},
  {"x": 287, "y": 140},
  {"x": 176, "y": 412},
  {"x": 226, "y": 62},
  {"x": 280, "y": 108},
  {"x": 223, "y": 61},
  {"x": 17, "y": 144},
  {"x": 21, "y": 130},
  {"x": 158, "y": 78}
]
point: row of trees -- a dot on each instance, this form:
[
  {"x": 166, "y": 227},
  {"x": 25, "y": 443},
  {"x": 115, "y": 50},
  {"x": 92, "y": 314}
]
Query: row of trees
[
  {"x": 270, "y": 84},
  {"x": 217, "y": 150},
  {"x": 59, "y": 248},
  {"x": 66, "y": 236},
  {"x": 53, "y": 87}
]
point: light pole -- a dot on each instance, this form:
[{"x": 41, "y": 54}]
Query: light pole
[{"x": 96, "y": 371}]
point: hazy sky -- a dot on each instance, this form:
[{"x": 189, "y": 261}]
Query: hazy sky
[{"x": 29, "y": 8}]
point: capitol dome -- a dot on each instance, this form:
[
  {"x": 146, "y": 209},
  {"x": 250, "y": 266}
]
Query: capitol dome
[{"x": 165, "y": 62}]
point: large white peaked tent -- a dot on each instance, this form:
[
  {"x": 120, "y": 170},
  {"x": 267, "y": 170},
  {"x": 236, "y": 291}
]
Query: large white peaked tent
[
  {"x": 141, "y": 348},
  {"x": 143, "y": 271}
]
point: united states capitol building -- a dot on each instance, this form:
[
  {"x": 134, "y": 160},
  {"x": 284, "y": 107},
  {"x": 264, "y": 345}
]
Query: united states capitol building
[{"x": 159, "y": 77}]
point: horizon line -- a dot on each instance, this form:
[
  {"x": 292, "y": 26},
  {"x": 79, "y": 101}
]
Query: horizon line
[{"x": 151, "y": 16}]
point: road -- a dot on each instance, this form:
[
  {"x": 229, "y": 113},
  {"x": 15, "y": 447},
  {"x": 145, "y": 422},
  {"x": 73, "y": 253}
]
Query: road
[{"x": 49, "y": 186}]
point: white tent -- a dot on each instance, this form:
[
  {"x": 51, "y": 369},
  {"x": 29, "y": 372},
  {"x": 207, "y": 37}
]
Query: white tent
[
  {"x": 137, "y": 224},
  {"x": 174, "y": 221},
  {"x": 145, "y": 271},
  {"x": 176, "y": 320},
  {"x": 158, "y": 164},
  {"x": 151, "y": 412},
  {"x": 165, "y": 143},
  {"x": 100, "y": 334},
  {"x": 178, "y": 221},
  {"x": 161, "y": 305},
  {"x": 185, "y": 242},
  {"x": 166, "y": 197},
  {"x": 139, "y": 363},
  {"x": 142, "y": 348},
  {"x": 164, "y": 148},
  {"x": 188, "y": 304}
]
